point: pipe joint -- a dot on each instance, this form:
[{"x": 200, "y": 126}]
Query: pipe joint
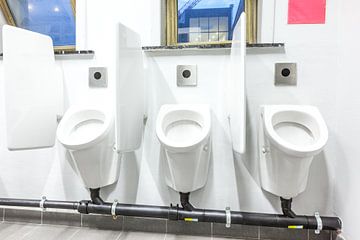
[
  {"x": 173, "y": 212},
  {"x": 95, "y": 196},
  {"x": 83, "y": 207},
  {"x": 286, "y": 207},
  {"x": 185, "y": 203}
]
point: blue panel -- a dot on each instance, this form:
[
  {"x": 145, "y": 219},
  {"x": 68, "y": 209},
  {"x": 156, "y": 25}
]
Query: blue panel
[
  {"x": 221, "y": 17},
  {"x": 54, "y": 18}
]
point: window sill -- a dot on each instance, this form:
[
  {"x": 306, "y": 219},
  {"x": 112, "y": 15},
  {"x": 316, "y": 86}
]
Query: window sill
[
  {"x": 70, "y": 55},
  {"x": 258, "y": 48}
]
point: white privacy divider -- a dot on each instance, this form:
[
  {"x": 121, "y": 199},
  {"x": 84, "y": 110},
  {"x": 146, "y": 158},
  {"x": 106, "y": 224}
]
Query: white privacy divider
[
  {"x": 235, "y": 91},
  {"x": 33, "y": 91},
  {"x": 130, "y": 90}
]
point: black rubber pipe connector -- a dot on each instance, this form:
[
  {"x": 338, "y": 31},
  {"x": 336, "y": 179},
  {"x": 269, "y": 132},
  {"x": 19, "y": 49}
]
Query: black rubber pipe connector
[
  {"x": 286, "y": 207},
  {"x": 185, "y": 203},
  {"x": 95, "y": 196}
]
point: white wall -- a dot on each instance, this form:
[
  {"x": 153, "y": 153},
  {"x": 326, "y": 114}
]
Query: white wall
[
  {"x": 233, "y": 181},
  {"x": 347, "y": 191}
]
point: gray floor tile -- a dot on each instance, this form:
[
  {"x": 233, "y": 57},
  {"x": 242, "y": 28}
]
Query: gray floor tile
[
  {"x": 189, "y": 228},
  {"x": 103, "y": 222},
  {"x": 141, "y": 236},
  {"x": 60, "y": 218},
  {"x": 11, "y": 231},
  {"x": 48, "y": 232},
  {"x": 324, "y": 235},
  {"x": 236, "y": 231},
  {"x": 22, "y": 216},
  {"x": 184, "y": 237},
  {"x": 95, "y": 234},
  {"x": 270, "y": 233},
  {"x": 144, "y": 224},
  {"x": 2, "y": 210}
]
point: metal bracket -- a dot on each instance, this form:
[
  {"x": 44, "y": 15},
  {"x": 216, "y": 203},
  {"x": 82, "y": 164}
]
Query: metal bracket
[
  {"x": 319, "y": 223},
  {"x": 43, "y": 199},
  {"x": 228, "y": 217},
  {"x": 113, "y": 209}
]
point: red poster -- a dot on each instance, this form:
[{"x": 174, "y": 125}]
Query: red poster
[{"x": 307, "y": 11}]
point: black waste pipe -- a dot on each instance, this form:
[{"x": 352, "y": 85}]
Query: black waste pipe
[
  {"x": 177, "y": 213},
  {"x": 95, "y": 196},
  {"x": 286, "y": 207},
  {"x": 185, "y": 203}
]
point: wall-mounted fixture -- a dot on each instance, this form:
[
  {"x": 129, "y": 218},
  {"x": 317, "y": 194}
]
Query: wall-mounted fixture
[
  {"x": 184, "y": 133},
  {"x": 285, "y": 74},
  {"x": 98, "y": 77},
  {"x": 186, "y": 75},
  {"x": 95, "y": 135},
  {"x": 33, "y": 89},
  {"x": 289, "y": 138}
]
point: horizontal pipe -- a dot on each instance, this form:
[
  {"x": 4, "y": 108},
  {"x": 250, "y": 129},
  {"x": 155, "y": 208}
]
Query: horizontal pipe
[
  {"x": 36, "y": 203},
  {"x": 177, "y": 213}
]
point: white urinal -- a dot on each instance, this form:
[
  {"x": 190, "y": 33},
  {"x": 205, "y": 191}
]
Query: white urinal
[
  {"x": 289, "y": 138},
  {"x": 184, "y": 133},
  {"x": 88, "y": 134},
  {"x": 95, "y": 135}
]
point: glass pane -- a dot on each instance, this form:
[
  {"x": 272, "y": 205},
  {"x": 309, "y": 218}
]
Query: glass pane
[
  {"x": 204, "y": 24},
  {"x": 214, "y": 37},
  {"x": 223, "y": 24},
  {"x": 215, "y": 17},
  {"x": 195, "y": 37},
  {"x": 194, "y": 25},
  {"x": 54, "y": 18},
  {"x": 204, "y": 37},
  {"x": 214, "y": 24},
  {"x": 223, "y": 36}
]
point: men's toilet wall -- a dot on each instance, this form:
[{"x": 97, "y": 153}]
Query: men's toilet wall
[
  {"x": 141, "y": 180},
  {"x": 33, "y": 89}
]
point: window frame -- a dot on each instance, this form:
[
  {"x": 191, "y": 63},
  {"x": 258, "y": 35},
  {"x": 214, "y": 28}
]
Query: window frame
[
  {"x": 4, "y": 7},
  {"x": 251, "y": 9}
]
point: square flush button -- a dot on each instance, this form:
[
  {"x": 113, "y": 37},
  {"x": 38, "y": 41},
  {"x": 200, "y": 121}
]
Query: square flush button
[
  {"x": 98, "y": 77},
  {"x": 285, "y": 74},
  {"x": 186, "y": 75}
]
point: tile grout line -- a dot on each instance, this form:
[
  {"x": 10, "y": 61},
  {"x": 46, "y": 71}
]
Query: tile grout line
[
  {"x": 30, "y": 231},
  {"x": 72, "y": 236},
  {"x": 308, "y": 234},
  {"x": 166, "y": 229},
  {"x": 119, "y": 236}
]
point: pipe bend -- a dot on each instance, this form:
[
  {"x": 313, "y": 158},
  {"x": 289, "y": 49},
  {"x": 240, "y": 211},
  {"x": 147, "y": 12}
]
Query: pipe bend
[{"x": 95, "y": 196}]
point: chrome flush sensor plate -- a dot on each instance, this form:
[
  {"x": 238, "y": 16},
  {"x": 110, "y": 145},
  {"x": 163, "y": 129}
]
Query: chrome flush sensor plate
[{"x": 186, "y": 75}]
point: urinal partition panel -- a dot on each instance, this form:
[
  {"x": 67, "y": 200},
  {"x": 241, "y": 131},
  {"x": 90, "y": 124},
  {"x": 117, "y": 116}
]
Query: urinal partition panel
[
  {"x": 32, "y": 89},
  {"x": 130, "y": 100},
  {"x": 235, "y": 91}
]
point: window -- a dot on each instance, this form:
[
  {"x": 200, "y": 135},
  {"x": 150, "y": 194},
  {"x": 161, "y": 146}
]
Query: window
[
  {"x": 55, "y": 18},
  {"x": 208, "y": 21}
]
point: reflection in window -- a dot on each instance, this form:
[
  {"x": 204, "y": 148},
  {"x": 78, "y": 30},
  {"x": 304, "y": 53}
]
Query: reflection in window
[
  {"x": 207, "y": 20},
  {"x": 54, "y": 18}
]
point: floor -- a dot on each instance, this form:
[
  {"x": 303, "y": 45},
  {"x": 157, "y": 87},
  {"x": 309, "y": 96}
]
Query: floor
[{"x": 16, "y": 231}]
